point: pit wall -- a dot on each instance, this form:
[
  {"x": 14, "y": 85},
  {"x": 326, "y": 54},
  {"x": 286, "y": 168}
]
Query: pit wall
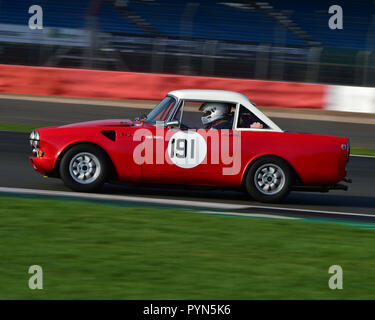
[{"x": 28, "y": 80}]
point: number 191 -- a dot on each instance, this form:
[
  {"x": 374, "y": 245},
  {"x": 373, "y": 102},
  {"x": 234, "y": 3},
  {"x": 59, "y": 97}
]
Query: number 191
[{"x": 179, "y": 148}]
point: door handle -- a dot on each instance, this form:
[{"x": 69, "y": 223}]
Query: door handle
[{"x": 230, "y": 134}]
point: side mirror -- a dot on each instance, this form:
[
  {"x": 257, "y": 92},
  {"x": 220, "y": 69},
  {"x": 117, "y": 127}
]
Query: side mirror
[{"x": 173, "y": 123}]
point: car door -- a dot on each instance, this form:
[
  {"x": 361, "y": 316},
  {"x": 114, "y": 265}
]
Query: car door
[{"x": 191, "y": 156}]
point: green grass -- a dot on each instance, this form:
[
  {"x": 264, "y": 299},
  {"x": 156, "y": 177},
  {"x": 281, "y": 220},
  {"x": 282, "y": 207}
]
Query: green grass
[
  {"x": 17, "y": 127},
  {"x": 362, "y": 151},
  {"x": 96, "y": 251}
]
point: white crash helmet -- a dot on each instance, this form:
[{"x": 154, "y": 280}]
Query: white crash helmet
[{"x": 213, "y": 111}]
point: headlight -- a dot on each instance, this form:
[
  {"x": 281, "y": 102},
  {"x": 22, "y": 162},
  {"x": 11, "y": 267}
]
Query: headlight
[
  {"x": 34, "y": 139},
  {"x": 31, "y": 138}
]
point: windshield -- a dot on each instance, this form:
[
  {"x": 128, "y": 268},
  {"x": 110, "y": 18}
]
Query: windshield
[{"x": 162, "y": 110}]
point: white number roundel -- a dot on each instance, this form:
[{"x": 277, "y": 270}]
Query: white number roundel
[{"x": 187, "y": 149}]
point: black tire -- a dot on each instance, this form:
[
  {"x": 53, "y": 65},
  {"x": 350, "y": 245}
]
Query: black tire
[
  {"x": 96, "y": 169},
  {"x": 260, "y": 175}
]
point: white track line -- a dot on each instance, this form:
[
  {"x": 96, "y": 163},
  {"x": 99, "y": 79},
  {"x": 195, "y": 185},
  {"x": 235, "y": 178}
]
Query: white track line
[
  {"x": 362, "y": 156},
  {"x": 317, "y": 211},
  {"x": 186, "y": 203},
  {"x": 98, "y": 196},
  {"x": 253, "y": 215}
]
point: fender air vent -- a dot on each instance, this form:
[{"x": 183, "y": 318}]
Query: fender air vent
[{"x": 110, "y": 134}]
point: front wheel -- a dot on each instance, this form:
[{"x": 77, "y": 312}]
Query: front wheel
[
  {"x": 84, "y": 168},
  {"x": 269, "y": 179}
]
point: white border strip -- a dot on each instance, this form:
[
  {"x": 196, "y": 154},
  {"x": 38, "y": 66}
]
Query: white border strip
[
  {"x": 361, "y": 156},
  {"x": 97, "y": 196},
  {"x": 251, "y": 215},
  {"x": 317, "y": 211},
  {"x": 168, "y": 202}
]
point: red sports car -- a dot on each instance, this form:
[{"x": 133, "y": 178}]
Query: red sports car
[{"x": 193, "y": 137}]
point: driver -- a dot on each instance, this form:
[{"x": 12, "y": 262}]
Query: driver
[{"x": 216, "y": 115}]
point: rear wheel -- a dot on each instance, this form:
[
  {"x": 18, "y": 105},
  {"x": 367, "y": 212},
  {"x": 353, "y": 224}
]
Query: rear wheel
[
  {"x": 84, "y": 168},
  {"x": 269, "y": 179}
]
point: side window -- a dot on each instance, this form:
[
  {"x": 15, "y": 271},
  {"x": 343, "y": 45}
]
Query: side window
[
  {"x": 208, "y": 115},
  {"x": 192, "y": 117},
  {"x": 246, "y": 119}
]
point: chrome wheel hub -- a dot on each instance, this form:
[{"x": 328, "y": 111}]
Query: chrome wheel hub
[
  {"x": 84, "y": 168},
  {"x": 269, "y": 179}
]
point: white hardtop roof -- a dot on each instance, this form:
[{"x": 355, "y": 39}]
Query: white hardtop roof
[
  {"x": 225, "y": 96},
  {"x": 218, "y": 95}
]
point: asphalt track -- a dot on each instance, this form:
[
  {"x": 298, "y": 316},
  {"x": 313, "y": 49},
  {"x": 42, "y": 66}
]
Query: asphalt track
[{"x": 16, "y": 171}]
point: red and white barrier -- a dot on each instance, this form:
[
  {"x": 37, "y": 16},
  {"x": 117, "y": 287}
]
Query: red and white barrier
[{"x": 145, "y": 86}]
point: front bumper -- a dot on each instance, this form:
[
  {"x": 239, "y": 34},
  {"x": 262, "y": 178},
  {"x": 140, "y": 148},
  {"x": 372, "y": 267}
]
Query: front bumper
[{"x": 42, "y": 165}]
